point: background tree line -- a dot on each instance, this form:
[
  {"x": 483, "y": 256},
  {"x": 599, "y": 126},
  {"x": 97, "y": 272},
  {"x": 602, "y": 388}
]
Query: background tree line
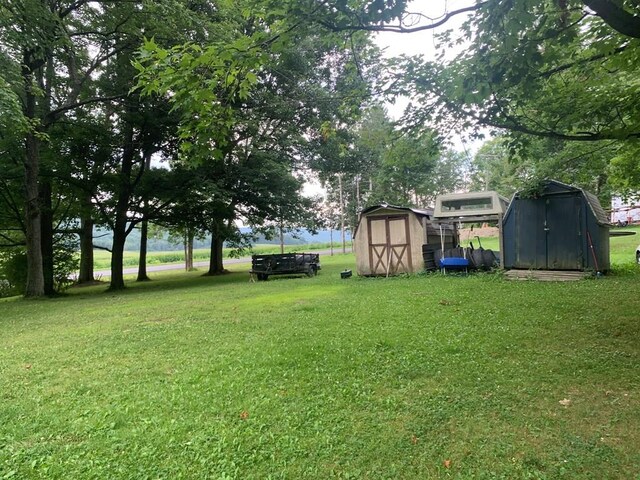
[{"x": 197, "y": 114}]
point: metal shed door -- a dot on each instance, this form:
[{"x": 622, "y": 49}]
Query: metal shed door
[
  {"x": 548, "y": 233},
  {"x": 562, "y": 225},
  {"x": 530, "y": 237},
  {"x": 389, "y": 244}
]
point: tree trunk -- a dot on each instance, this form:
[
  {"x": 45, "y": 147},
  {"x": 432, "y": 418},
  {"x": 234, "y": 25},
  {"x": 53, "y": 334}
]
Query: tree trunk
[
  {"x": 117, "y": 258},
  {"x": 86, "y": 249},
  {"x": 144, "y": 234},
  {"x": 344, "y": 243},
  {"x": 35, "y": 275},
  {"x": 216, "y": 266},
  {"x": 281, "y": 239},
  {"x": 331, "y": 239},
  {"x": 142, "y": 261},
  {"x": 122, "y": 206},
  {"x": 46, "y": 237},
  {"x": 185, "y": 249},
  {"x": 189, "y": 250}
]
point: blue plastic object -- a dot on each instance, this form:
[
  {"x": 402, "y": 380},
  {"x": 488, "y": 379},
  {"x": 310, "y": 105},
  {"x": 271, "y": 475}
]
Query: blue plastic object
[{"x": 454, "y": 263}]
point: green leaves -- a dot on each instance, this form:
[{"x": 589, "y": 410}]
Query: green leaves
[
  {"x": 11, "y": 117},
  {"x": 534, "y": 68},
  {"x": 202, "y": 84}
]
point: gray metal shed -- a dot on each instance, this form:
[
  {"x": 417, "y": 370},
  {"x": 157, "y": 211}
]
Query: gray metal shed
[{"x": 561, "y": 227}]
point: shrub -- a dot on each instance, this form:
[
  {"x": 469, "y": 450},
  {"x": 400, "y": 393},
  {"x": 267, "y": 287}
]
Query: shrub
[
  {"x": 13, "y": 272},
  {"x": 66, "y": 261}
]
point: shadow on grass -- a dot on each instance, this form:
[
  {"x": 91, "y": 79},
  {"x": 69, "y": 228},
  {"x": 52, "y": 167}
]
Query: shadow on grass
[{"x": 177, "y": 281}]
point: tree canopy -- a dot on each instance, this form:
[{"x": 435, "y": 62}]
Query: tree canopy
[{"x": 247, "y": 97}]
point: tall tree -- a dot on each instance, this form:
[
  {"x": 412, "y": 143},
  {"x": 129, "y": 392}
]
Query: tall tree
[
  {"x": 501, "y": 167},
  {"x": 252, "y": 109},
  {"x": 562, "y": 70},
  {"x": 52, "y": 43}
]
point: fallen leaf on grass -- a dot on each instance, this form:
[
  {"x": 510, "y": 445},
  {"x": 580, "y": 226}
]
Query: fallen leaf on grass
[
  {"x": 444, "y": 302},
  {"x": 244, "y": 415},
  {"x": 565, "y": 402},
  {"x": 447, "y": 464},
  {"x": 28, "y": 366},
  {"x": 414, "y": 439}
]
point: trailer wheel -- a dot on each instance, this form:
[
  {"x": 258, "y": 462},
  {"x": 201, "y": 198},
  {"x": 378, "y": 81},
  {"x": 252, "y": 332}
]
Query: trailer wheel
[
  {"x": 263, "y": 277},
  {"x": 638, "y": 258},
  {"x": 312, "y": 270},
  {"x": 270, "y": 264}
]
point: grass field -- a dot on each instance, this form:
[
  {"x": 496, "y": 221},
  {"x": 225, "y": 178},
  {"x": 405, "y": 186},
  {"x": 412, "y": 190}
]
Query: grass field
[
  {"x": 424, "y": 376},
  {"x": 102, "y": 259}
]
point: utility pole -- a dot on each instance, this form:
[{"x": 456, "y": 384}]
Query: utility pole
[{"x": 344, "y": 241}]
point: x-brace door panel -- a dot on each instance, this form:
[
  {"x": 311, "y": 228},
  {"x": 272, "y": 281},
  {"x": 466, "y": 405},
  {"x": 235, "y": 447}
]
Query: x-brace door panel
[{"x": 389, "y": 244}]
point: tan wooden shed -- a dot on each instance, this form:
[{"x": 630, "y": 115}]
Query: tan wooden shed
[{"x": 389, "y": 239}]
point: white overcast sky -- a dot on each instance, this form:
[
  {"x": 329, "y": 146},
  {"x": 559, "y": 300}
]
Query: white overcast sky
[
  {"x": 424, "y": 43},
  {"x": 420, "y": 43}
]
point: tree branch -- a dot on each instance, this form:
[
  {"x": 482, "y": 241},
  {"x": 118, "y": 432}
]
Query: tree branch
[
  {"x": 52, "y": 114},
  {"x": 584, "y": 61},
  {"x": 400, "y": 28},
  {"x": 578, "y": 137},
  {"x": 98, "y": 247},
  {"x": 616, "y": 17}
]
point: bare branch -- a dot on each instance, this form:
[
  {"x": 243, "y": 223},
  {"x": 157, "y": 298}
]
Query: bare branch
[
  {"x": 51, "y": 115},
  {"x": 400, "y": 28},
  {"x": 98, "y": 247}
]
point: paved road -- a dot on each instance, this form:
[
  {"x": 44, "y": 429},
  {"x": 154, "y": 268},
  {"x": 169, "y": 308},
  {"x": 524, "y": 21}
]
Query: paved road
[{"x": 180, "y": 266}]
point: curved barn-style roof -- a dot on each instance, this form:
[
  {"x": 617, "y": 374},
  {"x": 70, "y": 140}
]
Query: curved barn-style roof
[{"x": 554, "y": 186}]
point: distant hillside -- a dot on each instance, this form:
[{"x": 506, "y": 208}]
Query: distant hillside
[{"x": 104, "y": 238}]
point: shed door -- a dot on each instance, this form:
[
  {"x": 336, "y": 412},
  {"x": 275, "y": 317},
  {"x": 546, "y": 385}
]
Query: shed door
[
  {"x": 564, "y": 241},
  {"x": 389, "y": 245},
  {"x": 548, "y": 233},
  {"x": 530, "y": 237}
]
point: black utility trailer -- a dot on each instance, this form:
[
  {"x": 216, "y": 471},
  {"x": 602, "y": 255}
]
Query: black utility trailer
[{"x": 285, "y": 264}]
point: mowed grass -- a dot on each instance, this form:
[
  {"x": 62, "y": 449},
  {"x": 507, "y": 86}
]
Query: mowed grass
[
  {"x": 425, "y": 376},
  {"x": 102, "y": 258}
]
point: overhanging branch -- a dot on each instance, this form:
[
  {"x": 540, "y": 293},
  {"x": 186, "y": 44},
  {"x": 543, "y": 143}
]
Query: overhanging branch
[
  {"x": 616, "y": 17},
  {"x": 54, "y": 113},
  {"x": 577, "y": 137},
  {"x": 594, "y": 58},
  {"x": 400, "y": 28},
  {"x": 98, "y": 247}
]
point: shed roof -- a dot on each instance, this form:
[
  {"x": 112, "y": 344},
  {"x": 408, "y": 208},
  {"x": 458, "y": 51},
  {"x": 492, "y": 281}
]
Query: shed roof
[
  {"x": 383, "y": 206},
  {"x": 554, "y": 186},
  {"x": 601, "y": 216}
]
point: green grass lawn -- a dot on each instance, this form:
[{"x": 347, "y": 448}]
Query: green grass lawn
[
  {"x": 424, "y": 376},
  {"x": 102, "y": 258}
]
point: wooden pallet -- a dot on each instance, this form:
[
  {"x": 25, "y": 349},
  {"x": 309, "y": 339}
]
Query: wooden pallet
[{"x": 547, "y": 275}]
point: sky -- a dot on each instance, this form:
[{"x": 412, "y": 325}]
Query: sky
[
  {"x": 421, "y": 43},
  {"x": 425, "y": 43}
]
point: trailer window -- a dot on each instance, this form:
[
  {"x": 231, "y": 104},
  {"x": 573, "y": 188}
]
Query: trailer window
[{"x": 465, "y": 204}]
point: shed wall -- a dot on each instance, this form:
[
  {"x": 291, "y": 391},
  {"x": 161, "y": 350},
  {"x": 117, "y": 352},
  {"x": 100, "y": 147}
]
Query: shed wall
[
  {"x": 372, "y": 229},
  {"x": 552, "y": 233}
]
